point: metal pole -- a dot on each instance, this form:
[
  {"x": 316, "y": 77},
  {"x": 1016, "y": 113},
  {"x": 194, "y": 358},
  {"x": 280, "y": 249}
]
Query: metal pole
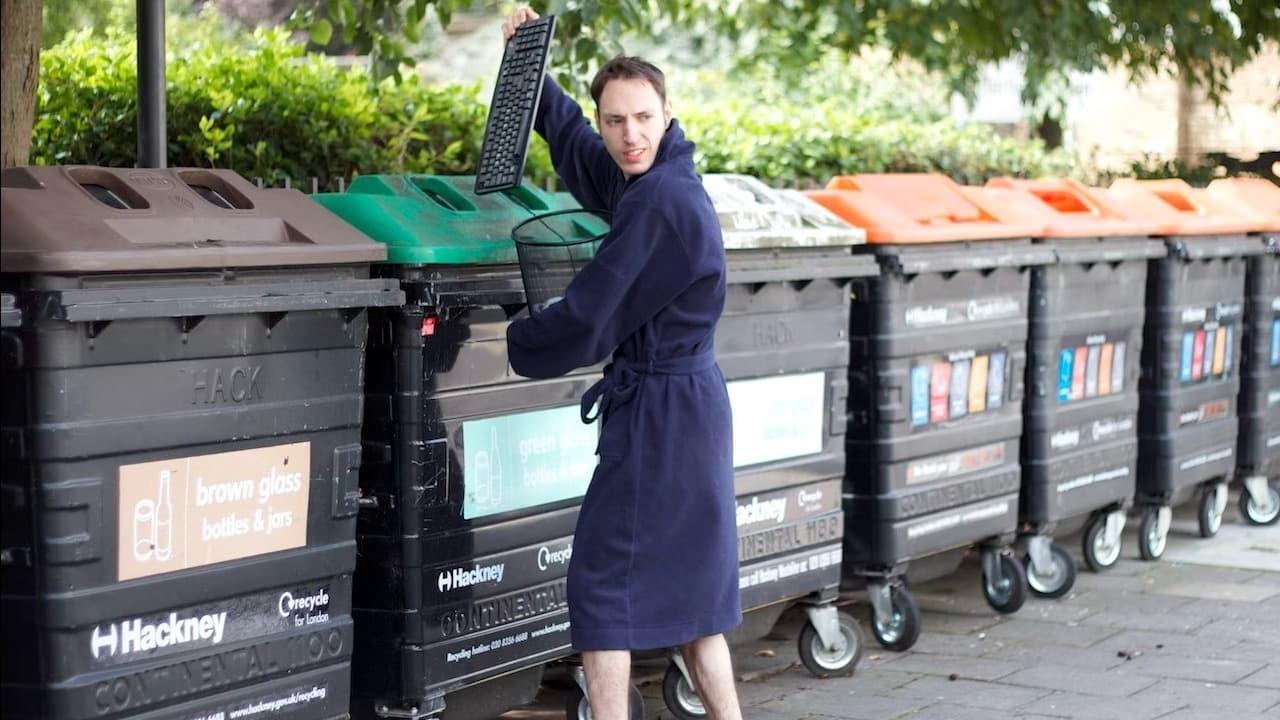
[{"x": 152, "y": 138}]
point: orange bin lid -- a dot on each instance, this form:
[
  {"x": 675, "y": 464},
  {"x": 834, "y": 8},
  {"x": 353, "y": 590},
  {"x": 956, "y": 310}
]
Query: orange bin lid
[
  {"x": 1258, "y": 195},
  {"x": 914, "y": 208},
  {"x": 1179, "y": 209},
  {"x": 1065, "y": 207}
]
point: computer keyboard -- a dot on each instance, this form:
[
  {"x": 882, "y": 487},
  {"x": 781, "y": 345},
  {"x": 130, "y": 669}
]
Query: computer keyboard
[{"x": 514, "y": 106}]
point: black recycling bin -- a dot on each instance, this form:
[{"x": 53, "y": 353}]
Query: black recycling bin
[
  {"x": 1080, "y": 439},
  {"x": 1191, "y": 355},
  {"x": 782, "y": 344},
  {"x": 938, "y": 350},
  {"x": 473, "y": 475},
  {"x": 1258, "y": 463},
  {"x": 182, "y": 441}
]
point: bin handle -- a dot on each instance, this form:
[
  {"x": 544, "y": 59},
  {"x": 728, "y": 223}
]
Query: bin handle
[{"x": 108, "y": 304}]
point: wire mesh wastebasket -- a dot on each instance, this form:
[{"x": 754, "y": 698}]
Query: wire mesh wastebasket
[{"x": 552, "y": 247}]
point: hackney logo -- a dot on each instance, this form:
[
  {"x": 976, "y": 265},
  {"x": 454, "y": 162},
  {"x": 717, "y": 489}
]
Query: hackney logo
[
  {"x": 134, "y": 636},
  {"x": 458, "y": 578}
]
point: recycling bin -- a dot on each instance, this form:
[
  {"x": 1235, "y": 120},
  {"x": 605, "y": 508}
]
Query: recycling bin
[
  {"x": 1258, "y": 461},
  {"x": 477, "y": 474},
  {"x": 937, "y": 355},
  {"x": 182, "y": 441},
  {"x": 782, "y": 344},
  {"x": 1080, "y": 432},
  {"x": 1191, "y": 347},
  {"x": 10, "y": 315}
]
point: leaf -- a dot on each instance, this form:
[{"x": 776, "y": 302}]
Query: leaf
[{"x": 321, "y": 32}]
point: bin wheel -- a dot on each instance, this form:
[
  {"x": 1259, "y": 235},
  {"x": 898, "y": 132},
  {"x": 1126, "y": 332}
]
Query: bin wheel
[
  {"x": 1151, "y": 542},
  {"x": 1061, "y": 576},
  {"x": 681, "y": 699},
  {"x": 903, "y": 629},
  {"x": 577, "y": 707},
  {"x": 1209, "y": 515},
  {"x": 1098, "y": 555},
  {"x": 1006, "y": 593},
  {"x": 1264, "y": 514},
  {"x": 824, "y": 662}
]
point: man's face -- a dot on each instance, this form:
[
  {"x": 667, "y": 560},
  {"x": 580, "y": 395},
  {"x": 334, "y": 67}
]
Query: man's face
[{"x": 632, "y": 120}]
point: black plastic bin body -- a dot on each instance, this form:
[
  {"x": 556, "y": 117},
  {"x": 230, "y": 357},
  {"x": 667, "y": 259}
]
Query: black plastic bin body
[
  {"x": 930, "y": 474},
  {"x": 1187, "y": 418},
  {"x": 1259, "y": 443},
  {"x": 181, "y": 448},
  {"x": 449, "y": 593},
  {"x": 1080, "y": 447}
]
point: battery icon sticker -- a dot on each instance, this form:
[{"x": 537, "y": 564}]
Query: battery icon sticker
[
  {"x": 995, "y": 382},
  {"x": 920, "y": 395},
  {"x": 1064, "y": 374},
  {"x": 1220, "y": 351},
  {"x": 1077, "y": 373},
  {"x": 1197, "y": 356},
  {"x": 939, "y": 391},
  {"x": 978, "y": 384},
  {"x": 1188, "y": 356},
  {"x": 959, "y": 389},
  {"x": 1104, "y": 369},
  {"x": 1091, "y": 373},
  {"x": 1117, "y": 369}
]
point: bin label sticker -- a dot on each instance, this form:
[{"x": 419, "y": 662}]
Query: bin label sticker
[
  {"x": 521, "y": 461},
  {"x": 207, "y": 625},
  {"x": 771, "y": 509},
  {"x": 1207, "y": 412},
  {"x": 1065, "y": 372},
  {"x": 960, "y": 389},
  {"x": 1275, "y": 342},
  {"x": 959, "y": 384},
  {"x": 196, "y": 511},
  {"x": 1105, "y": 368},
  {"x": 955, "y": 464},
  {"x": 1091, "y": 366},
  {"x": 1094, "y": 478},
  {"x": 978, "y": 384},
  {"x": 920, "y": 395},
  {"x": 778, "y": 417},
  {"x": 789, "y": 567},
  {"x": 1208, "y": 352}
]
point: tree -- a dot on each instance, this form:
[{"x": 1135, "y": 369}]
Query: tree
[{"x": 19, "y": 73}]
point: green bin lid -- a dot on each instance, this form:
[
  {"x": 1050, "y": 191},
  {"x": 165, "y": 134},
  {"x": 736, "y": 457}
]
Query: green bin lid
[{"x": 439, "y": 220}]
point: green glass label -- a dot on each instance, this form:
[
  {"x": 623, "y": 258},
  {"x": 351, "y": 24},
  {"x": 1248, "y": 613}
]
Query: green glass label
[
  {"x": 777, "y": 418},
  {"x": 521, "y": 461}
]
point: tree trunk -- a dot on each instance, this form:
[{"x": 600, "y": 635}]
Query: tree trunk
[
  {"x": 1187, "y": 151},
  {"x": 19, "y": 73}
]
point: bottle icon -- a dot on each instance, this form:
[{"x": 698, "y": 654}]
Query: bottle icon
[
  {"x": 164, "y": 518},
  {"x": 144, "y": 529}
]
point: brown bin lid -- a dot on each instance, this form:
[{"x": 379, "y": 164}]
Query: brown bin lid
[{"x": 71, "y": 219}]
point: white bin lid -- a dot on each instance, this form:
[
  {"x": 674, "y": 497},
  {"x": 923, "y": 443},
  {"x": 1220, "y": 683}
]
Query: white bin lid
[{"x": 754, "y": 215}]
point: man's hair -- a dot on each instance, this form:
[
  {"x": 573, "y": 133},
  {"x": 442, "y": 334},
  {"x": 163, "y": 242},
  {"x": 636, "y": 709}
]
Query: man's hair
[{"x": 624, "y": 67}]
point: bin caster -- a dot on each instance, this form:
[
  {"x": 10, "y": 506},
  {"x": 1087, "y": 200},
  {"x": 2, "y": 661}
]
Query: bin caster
[
  {"x": 678, "y": 693},
  {"x": 1213, "y": 503},
  {"x": 1102, "y": 540},
  {"x": 895, "y": 618},
  {"x": 830, "y": 643},
  {"x": 1004, "y": 582},
  {"x": 1051, "y": 571},
  {"x": 577, "y": 707},
  {"x": 1259, "y": 502},
  {"x": 1153, "y": 531}
]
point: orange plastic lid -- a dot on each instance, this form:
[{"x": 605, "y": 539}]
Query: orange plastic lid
[
  {"x": 1065, "y": 207},
  {"x": 1179, "y": 209},
  {"x": 914, "y": 208},
  {"x": 1260, "y": 196}
]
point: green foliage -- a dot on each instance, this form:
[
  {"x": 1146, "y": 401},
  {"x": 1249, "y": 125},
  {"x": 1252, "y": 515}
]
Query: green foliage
[{"x": 255, "y": 103}]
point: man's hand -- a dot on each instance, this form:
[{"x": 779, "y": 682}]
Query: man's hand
[{"x": 518, "y": 18}]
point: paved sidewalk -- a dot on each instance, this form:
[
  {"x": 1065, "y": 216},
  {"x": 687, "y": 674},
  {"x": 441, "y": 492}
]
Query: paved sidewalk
[{"x": 1196, "y": 635}]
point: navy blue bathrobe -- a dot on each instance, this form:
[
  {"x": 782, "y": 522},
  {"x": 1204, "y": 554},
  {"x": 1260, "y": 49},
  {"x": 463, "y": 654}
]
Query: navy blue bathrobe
[{"x": 655, "y": 555}]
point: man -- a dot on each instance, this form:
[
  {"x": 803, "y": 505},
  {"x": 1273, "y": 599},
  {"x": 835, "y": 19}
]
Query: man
[{"x": 655, "y": 557}]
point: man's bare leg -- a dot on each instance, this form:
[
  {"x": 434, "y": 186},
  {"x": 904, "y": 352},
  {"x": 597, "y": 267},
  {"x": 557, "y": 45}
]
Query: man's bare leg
[
  {"x": 608, "y": 683},
  {"x": 712, "y": 670}
]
